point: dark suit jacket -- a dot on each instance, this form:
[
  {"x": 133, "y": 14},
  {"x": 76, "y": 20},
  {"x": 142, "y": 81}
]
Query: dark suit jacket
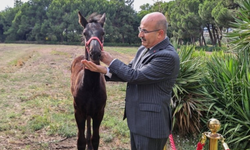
[{"x": 149, "y": 89}]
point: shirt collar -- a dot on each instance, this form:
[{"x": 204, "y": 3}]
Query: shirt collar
[{"x": 158, "y": 43}]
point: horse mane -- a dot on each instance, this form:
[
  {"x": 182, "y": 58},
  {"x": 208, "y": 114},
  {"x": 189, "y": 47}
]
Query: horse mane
[{"x": 94, "y": 17}]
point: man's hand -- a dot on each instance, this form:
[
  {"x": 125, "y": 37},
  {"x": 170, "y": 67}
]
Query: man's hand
[
  {"x": 93, "y": 67},
  {"x": 106, "y": 58}
]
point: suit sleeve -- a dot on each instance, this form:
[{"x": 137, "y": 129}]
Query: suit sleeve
[
  {"x": 116, "y": 78},
  {"x": 159, "y": 67}
]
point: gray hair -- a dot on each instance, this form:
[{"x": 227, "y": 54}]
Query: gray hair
[{"x": 162, "y": 24}]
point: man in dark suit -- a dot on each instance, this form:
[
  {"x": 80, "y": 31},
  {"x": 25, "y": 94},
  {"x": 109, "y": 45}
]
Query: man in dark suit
[{"x": 150, "y": 78}]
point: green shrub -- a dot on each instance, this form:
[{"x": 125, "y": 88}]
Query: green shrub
[
  {"x": 188, "y": 101},
  {"x": 228, "y": 87}
]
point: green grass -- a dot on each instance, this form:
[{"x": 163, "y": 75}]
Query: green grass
[{"x": 124, "y": 50}]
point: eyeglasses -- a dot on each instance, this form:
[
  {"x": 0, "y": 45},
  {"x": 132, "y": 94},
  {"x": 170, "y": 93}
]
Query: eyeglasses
[{"x": 145, "y": 31}]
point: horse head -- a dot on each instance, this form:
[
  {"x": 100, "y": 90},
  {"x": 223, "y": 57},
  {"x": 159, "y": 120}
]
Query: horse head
[{"x": 94, "y": 36}]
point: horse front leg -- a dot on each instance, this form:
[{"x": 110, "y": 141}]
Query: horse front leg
[
  {"x": 96, "y": 125},
  {"x": 80, "y": 121},
  {"x": 89, "y": 133}
]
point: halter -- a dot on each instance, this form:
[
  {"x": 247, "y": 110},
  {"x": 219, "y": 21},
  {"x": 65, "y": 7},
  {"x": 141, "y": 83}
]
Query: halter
[{"x": 93, "y": 38}]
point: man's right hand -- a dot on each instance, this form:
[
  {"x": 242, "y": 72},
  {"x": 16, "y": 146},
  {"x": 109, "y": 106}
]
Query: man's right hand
[
  {"x": 106, "y": 58},
  {"x": 93, "y": 67}
]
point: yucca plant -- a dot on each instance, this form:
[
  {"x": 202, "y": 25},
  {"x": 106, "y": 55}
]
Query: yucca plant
[
  {"x": 187, "y": 100},
  {"x": 240, "y": 37},
  {"x": 228, "y": 87},
  {"x": 228, "y": 84}
]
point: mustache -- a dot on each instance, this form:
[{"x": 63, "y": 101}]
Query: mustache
[{"x": 143, "y": 39}]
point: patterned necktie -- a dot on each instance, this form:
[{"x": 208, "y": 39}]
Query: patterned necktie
[
  {"x": 145, "y": 52},
  {"x": 140, "y": 57}
]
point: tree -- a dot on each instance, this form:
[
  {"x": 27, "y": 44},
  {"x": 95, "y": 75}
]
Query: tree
[
  {"x": 17, "y": 3},
  {"x": 216, "y": 16},
  {"x": 145, "y": 9},
  {"x": 38, "y": 9},
  {"x": 8, "y": 16},
  {"x": 185, "y": 21},
  {"x": 228, "y": 83},
  {"x": 222, "y": 18},
  {"x": 56, "y": 12},
  {"x": 123, "y": 21},
  {"x": 26, "y": 23}
]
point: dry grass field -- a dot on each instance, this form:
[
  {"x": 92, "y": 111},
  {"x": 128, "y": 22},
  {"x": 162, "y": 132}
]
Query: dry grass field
[
  {"x": 36, "y": 106},
  {"x": 36, "y": 109}
]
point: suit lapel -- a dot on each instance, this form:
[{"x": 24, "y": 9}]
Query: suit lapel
[
  {"x": 139, "y": 58},
  {"x": 156, "y": 48}
]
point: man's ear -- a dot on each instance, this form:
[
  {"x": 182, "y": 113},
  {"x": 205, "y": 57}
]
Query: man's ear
[{"x": 161, "y": 33}]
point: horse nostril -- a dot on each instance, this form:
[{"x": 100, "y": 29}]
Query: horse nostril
[{"x": 95, "y": 55}]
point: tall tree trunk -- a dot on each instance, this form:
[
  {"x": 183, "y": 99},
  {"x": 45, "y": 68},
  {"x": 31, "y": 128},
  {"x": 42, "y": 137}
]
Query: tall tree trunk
[
  {"x": 202, "y": 38},
  {"x": 204, "y": 41},
  {"x": 210, "y": 34},
  {"x": 218, "y": 37},
  {"x": 214, "y": 35},
  {"x": 200, "y": 41}
]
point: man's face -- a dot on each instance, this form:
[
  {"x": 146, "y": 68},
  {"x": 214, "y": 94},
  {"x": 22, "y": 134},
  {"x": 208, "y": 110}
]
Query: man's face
[{"x": 148, "y": 34}]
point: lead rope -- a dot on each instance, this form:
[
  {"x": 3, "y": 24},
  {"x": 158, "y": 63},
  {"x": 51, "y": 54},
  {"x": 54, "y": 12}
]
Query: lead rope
[{"x": 171, "y": 140}]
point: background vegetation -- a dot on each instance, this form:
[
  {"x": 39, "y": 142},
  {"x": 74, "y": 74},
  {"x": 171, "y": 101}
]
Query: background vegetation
[
  {"x": 55, "y": 21},
  {"x": 36, "y": 104}
]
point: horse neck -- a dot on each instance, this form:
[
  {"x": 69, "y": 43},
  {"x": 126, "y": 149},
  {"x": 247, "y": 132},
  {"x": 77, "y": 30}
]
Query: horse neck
[
  {"x": 91, "y": 79},
  {"x": 88, "y": 73}
]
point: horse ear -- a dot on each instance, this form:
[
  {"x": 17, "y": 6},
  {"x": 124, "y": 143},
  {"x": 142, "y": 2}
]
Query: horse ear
[
  {"x": 83, "y": 22},
  {"x": 102, "y": 19}
]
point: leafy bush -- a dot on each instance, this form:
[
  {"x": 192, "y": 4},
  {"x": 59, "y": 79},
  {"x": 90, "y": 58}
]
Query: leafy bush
[
  {"x": 228, "y": 84},
  {"x": 228, "y": 87},
  {"x": 188, "y": 101}
]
